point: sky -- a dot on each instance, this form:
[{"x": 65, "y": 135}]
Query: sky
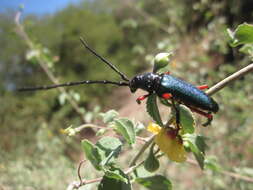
[{"x": 38, "y": 7}]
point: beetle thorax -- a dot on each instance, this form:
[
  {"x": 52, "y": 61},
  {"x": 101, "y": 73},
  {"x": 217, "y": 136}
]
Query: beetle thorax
[{"x": 146, "y": 81}]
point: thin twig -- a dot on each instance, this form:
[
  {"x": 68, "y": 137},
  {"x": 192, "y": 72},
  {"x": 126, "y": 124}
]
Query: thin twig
[
  {"x": 79, "y": 172},
  {"x": 76, "y": 184},
  {"x": 142, "y": 150},
  {"x": 73, "y": 131},
  {"x": 87, "y": 125},
  {"x": 230, "y": 174},
  {"x": 21, "y": 31},
  {"x": 229, "y": 79}
]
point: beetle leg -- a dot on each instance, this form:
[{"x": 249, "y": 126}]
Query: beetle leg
[
  {"x": 177, "y": 113},
  {"x": 209, "y": 120},
  {"x": 167, "y": 95},
  {"x": 208, "y": 115},
  {"x": 141, "y": 98},
  {"x": 202, "y": 87}
]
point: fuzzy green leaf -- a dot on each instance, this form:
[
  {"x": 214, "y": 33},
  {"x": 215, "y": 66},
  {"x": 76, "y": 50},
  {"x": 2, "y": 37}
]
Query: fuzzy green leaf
[
  {"x": 242, "y": 35},
  {"x": 110, "y": 147},
  {"x": 152, "y": 109},
  {"x": 186, "y": 119},
  {"x": 115, "y": 179},
  {"x": 125, "y": 127},
  {"x": 108, "y": 143},
  {"x": 157, "y": 182},
  {"x": 212, "y": 164},
  {"x": 141, "y": 172},
  {"x": 92, "y": 154},
  {"x": 247, "y": 49},
  {"x": 117, "y": 174},
  {"x": 151, "y": 164},
  {"x": 109, "y": 116},
  {"x": 197, "y": 145}
]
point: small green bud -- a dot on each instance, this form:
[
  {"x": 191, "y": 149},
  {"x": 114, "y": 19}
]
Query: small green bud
[
  {"x": 69, "y": 131},
  {"x": 161, "y": 60},
  {"x": 100, "y": 132}
]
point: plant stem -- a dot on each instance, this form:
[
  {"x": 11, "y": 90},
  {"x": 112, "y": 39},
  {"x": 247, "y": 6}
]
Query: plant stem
[
  {"x": 142, "y": 150},
  {"x": 230, "y": 174},
  {"x": 229, "y": 79},
  {"x": 21, "y": 31}
]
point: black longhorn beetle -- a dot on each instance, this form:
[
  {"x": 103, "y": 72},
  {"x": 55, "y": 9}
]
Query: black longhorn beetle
[{"x": 164, "y": 85}]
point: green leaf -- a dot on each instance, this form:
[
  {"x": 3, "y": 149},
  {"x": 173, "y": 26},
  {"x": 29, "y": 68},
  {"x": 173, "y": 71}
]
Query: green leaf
[
  {"x": 109, "y": 116},
  {"x": 125, "y": 127},
  {"x": 115, "y": 179},
  {"x": 92, "y": 154},
  {"x": 197, "y": 145},
  {"x": 247, "y": 49},
  {"x": 110, "y": 147},
  {"x": 103, "y": 153},
  {"x": 212, "y": 164},
  {"x": 129, "y": 23},
  {"x": 117, "y": 174},
  {"x": 151, "y": 164},
  {"x": 141, "y": 172},
  {"x": 152, "y": 109},
  {"x": 108, "y": 143},
  {"x": 242, "y": 35},
  {"x": 186, "y": 119},
  {"x": 157, "y": 182}
]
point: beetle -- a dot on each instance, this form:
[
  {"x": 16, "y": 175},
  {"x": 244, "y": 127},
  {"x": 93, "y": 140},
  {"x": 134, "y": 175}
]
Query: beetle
[
  {"x": 164, "y": 85},
  {"x": 169, "y": 87}
]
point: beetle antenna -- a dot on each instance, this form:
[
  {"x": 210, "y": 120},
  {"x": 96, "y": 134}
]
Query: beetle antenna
[
  {"x": 123, "y": 76},
  {"x": 120, "y": 83}
]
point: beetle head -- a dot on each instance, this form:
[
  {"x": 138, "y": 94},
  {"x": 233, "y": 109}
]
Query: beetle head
[
  {"x": 144, "y": 81},
  {"x": 134, "y": 83}
]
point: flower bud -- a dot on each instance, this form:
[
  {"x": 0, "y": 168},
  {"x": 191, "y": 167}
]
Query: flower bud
[{"x": 161, "y": 60}]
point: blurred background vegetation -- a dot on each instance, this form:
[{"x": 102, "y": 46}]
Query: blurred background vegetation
[{"x": 34, "y": 154}]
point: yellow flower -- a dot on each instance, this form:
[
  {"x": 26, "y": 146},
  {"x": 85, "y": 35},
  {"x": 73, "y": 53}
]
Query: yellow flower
[
  {"x": 154, "y": 128},
  {"x": 68, "y": 131},
  {"x": 169, "y": 142}
]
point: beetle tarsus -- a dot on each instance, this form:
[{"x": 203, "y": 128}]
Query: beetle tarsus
[
  {"x": 209, "y": 120},
  {"x": 208, "y": 115},
  {"x": 141, "y": 98},
  {"x": 202, "y": 87},
  {"x": 167, "y": 96},
  {"x": 177, "y": 113}
]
